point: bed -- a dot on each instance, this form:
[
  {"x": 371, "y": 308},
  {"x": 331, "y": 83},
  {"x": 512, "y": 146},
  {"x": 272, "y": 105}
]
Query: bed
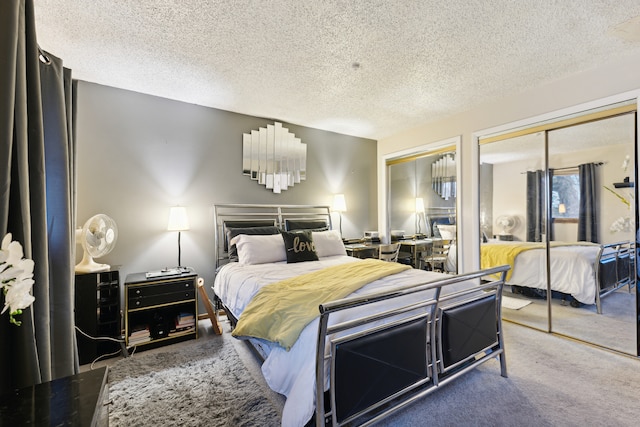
[
  {"x": 586, "y": 271},
  {"x": 367, "y": 354}
]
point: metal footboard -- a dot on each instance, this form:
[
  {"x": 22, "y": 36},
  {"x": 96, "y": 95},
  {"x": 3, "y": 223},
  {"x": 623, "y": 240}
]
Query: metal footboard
[
  {"x": 384, "y": 360},
  {"x": 615, "y": 268}
]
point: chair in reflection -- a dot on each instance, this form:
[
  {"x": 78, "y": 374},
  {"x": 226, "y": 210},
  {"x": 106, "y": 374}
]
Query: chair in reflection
[
  {"x": 389, "y": 252},
  {"x": 436, "y": 258}
]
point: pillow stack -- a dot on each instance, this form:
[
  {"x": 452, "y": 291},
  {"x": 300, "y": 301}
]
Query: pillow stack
[{"x": 289, "y": 246}]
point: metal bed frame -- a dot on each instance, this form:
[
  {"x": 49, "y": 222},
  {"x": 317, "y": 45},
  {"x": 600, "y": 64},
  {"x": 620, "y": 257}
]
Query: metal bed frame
[
  {"x": 454, "y": 334},
  {"x": 395, "y": 356},
  {"x": 615, "y": 269}
]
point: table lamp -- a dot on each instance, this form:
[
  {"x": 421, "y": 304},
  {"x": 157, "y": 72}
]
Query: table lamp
[
  {"x": 339, "y": 205},
  {"x": 178, "y": 221}
]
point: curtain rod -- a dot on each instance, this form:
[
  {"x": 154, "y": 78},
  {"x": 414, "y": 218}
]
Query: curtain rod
[
  {"x": 569, "y": 167},
  {"x": 574, "y": 167}
]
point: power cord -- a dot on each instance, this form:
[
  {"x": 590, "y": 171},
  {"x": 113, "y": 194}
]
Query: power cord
[
  {"x": 99, "y": 338},
  {"x": 104, "y": 356},
  {"x": 123, "y": 349}
]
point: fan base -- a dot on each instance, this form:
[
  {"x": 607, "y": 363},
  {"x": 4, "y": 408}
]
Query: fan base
[
  {"x": 104, "y": 267},
  {"x": 88, "y": 265}
]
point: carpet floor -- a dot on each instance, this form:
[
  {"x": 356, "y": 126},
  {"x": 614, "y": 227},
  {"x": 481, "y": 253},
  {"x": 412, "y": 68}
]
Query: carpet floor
[
  {"x": 195, "y": 383},
  {"x": 615, "y": 328},
  {"x": 216, "y": 381}
]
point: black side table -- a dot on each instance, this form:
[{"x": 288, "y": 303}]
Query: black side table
[{"x": 76, "y": 400}]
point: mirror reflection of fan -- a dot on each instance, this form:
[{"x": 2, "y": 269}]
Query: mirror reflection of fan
[
  {"x": 507, "y": 223},
  {"x": 98, "y": 237}
]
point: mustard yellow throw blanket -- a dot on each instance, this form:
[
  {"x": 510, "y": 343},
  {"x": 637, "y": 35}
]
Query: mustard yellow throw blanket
[
  {"x": 496, "y": 254},
  {"x": 280, "y": 311}
]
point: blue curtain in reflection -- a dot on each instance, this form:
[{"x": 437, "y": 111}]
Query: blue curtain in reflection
[
  {"x": 587, "y": 217},
  {"x": 535, "y": 205}
]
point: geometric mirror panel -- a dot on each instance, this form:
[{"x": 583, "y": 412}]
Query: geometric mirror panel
[{"x": 274, "y": 157}]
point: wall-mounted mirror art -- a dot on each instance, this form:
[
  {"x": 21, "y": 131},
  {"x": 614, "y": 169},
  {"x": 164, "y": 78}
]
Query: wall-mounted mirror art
[
  {"x": 443, "y": 176},
  {"x": 274, "y": 157}
]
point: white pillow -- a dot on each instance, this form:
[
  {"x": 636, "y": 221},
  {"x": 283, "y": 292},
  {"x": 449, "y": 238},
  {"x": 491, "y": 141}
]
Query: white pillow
[
  {"x": 328, "y": 243},
  {"x": 260, "y": 249}
]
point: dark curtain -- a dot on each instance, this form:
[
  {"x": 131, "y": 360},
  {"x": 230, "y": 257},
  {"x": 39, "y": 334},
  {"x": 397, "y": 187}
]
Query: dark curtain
[
  {"x": 587, "y": 217},
  {"x": 38, "y": 199},
  {"x": 535, "y": 205},
  {"x": 550, "y": 229}
]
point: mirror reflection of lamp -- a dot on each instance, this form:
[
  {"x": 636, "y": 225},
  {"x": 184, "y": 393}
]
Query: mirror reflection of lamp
[
  {"x": 419, "y": 213},
  {"x": 562, "y": 208},
  {"x": 339, "y": 205}
]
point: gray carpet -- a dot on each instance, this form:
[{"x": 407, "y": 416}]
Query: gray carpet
[
  {"x": 195, "y": 383},
  {"x": 614, "y": 328},
  {"x": 552, "y": 382}
]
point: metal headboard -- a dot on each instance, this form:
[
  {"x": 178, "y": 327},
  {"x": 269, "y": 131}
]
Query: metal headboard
[{"x": 279, "y": 214}]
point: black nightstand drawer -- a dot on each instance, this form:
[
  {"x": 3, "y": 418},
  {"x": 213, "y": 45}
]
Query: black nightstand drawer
[
  {"x": 160, "y": 298},
  {"x": 160, "y": 288}
]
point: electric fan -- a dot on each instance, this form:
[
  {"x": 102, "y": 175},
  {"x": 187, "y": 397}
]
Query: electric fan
[
  {"x": 98, "y": 237},
  {"x": 507, "y": 223}
]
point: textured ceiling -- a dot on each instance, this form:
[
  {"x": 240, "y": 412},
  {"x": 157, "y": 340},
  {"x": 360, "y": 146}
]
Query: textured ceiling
[{"x": 364, "y": 68}]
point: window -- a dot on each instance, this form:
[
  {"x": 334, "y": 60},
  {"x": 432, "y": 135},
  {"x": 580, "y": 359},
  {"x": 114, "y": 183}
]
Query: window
[{"x": 565, "y": 195}]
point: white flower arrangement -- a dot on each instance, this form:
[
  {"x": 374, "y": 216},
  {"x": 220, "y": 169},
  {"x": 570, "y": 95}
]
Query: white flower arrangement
[
  {"x": 16, "y": 278},
  {"x": 624, "y": 222},
  {"x": 621, "y": 224}
]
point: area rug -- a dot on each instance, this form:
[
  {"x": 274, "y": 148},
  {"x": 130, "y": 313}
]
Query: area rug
[
  {"x": 195, "y": 383},
  {"x": 514, "y": 303}
]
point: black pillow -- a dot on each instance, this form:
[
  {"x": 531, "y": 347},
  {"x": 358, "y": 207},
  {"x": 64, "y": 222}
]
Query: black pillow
[
  {"x": 233, "y": 232},
  {"x": 243, "y": 224},
  {"x": 306, "y": 224},
  {"x": 299, "y": 246}
]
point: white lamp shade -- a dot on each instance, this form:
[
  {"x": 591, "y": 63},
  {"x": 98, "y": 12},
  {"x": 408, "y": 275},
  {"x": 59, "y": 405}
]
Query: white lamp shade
[
  {"x": 419, "y": 205},
  {"x": 178, "y": 220},
  {"x": 339, "y": 203}
]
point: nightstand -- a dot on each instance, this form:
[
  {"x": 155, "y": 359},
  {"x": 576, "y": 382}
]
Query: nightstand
[{"x": 160, "y": 310}]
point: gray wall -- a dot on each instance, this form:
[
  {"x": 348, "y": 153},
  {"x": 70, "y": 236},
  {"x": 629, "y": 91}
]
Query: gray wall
[{"x": 137, "y": 155}]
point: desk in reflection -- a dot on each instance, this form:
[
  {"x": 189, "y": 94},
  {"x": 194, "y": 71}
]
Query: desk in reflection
[
  {"x": 362, "y": 250},
  {"x": 416, "y": 249}
]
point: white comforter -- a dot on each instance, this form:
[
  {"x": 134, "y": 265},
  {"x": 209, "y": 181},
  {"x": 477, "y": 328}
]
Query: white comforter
[
  {"x": 292, "y": 373},
  {"x": 572, "y": 270}
]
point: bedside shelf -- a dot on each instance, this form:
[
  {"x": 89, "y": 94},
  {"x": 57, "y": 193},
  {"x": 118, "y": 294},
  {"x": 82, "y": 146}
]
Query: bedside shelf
[
  {"x": 97, "y": 313},
  {"x": 160, "y": 310}
]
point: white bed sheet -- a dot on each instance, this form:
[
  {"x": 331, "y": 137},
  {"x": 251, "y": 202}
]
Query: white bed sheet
[
  {"x": 292, "y": 373},
  {"x": 572, "y": 270}
]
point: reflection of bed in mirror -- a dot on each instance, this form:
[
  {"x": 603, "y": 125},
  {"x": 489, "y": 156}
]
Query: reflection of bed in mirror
[
  {"x": 587, "y": 272},
  {"x": 387, "y": 344}
]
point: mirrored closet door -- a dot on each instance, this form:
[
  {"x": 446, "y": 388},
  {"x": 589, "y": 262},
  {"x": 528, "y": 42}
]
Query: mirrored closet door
[
  {"x": 422, "y": 191},
  {"x": 562, "y": 195},
  {"x": 512, "y": 182}
]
